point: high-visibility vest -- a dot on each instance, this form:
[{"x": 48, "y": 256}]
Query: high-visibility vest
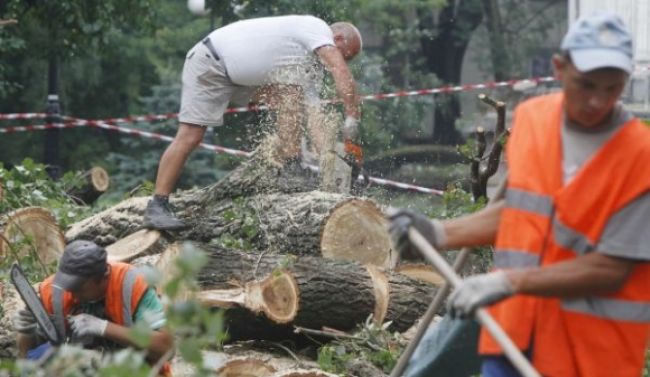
[
  {"x": 545, "y": 222},
  {"x": 123, "y": 293}
]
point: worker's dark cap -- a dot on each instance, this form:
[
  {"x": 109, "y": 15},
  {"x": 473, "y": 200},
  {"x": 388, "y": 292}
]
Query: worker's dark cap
[{"x": 81, "y": 260}]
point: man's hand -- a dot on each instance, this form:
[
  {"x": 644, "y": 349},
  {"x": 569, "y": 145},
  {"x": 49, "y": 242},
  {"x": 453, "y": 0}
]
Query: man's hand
[
  {"x": 478, "y": 291},
  {"x": 24, "y": 321},
  {"x": 84, "y": 325},
  {"x": 402, "y": 219}
]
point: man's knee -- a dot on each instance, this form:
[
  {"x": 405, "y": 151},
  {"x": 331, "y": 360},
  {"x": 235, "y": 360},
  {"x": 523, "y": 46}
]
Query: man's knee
[{"x": 189, "y": 136}]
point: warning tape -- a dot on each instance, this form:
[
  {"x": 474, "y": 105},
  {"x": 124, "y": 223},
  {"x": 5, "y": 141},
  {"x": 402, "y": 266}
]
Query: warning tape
[
  {"x": 215, "y": 148},
  {"x": 23, "y": 116},
  {"x": 371, "y": 97}
]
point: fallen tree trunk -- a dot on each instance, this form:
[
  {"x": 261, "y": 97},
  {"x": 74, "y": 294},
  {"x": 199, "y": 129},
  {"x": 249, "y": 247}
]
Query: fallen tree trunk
[
  {"x": 259, "y": 175},
  {"x": 310, "y": 223},
  {"x": 33, "y": 232},
  {"x": 304, "y": 291}
]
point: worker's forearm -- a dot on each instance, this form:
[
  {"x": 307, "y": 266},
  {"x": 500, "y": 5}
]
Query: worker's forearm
[
  {"x": 476, "y": 229},
  {"x": 346, "y": 89},
  {"x": 594, "y": 273},
  {"x": 161, "y": 341}
]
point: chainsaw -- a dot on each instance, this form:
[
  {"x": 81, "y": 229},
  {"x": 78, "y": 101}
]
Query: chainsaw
[{"x": 34, "y": 304}]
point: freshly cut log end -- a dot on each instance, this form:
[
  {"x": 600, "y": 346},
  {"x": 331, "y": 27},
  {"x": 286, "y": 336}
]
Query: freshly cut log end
[
  {"x": 31, "y": 229},
  {"x": 138, "y": 244},
  {"x": 421, "y": 272},
  {"x": 281, "y": 295},
  {"x": 96, "y": 182},
  {"x": 248, "y": 367},
  {"x": 381, "y": 289},
  {"x": 356, "y": 230},
  {"x": 276, "y": 296}
]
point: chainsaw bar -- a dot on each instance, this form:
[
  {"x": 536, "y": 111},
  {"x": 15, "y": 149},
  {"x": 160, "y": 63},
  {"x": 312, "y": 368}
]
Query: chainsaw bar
[{"x": 34, "y": 304}]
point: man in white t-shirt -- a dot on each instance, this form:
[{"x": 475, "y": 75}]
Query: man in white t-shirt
[{"x": 277, "y": 59}]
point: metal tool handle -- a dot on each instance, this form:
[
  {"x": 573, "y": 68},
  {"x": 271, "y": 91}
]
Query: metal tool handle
[
  {"x": 438, "y": 299},
  {"x": 484, "y": 318}
]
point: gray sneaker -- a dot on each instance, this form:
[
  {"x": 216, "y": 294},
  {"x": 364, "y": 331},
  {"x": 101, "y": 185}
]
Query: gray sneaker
[{"x": 159, "y": 215}]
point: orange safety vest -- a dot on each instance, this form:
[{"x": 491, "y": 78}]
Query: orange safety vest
[
  {"x": 123, "y": 293},
  {"x": 545, "y": 222}
]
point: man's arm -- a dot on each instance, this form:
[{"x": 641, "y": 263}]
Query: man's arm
[
  {"x": 590, "y": 274},
  {"x": 346, "y": 88},
  {"x": 161, "y": 340},
  {"x": 476, "y": 229}
]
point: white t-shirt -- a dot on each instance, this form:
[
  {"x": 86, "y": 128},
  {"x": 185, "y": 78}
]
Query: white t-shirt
[{"x": 271, "y": 49}]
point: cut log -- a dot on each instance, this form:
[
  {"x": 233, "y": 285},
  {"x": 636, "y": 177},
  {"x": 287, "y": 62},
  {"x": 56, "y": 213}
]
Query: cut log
[
  {"x": 117, "y": 222},
  {"x": 11, "y": 302},
  {"x": 246, "y": 367},
  {"x": 31, "y": 231},
  {"x": 310, "y": 223},
  {"x": 303, "y": 373},
  {"x": 310, "y": 292},
  {"x": 420, "y": 272},
  {"x": 141, "y": 243},
  {"x": 96, "y": 182},
  {"x": 313, "y": 223}
]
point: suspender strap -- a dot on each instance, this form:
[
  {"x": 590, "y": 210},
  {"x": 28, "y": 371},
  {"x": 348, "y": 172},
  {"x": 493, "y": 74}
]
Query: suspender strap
[{"x": 210, "y": 47}]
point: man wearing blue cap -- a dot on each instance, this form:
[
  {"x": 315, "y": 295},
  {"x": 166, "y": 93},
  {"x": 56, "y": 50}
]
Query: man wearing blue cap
[
  {"x": 94, "y": 302},
  {"x": 571, "y": 285}
]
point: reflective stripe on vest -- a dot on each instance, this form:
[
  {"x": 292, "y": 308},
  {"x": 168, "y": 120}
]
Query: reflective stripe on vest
[
  {"x": 127, "y": 294},
  {"x": 529, "y": 202},
  {"x": 608, "y": 308},
  {"x": 57, "y": 303},
  {"x": 571, "y": 239},
  {"x": 514, "y": 259}
]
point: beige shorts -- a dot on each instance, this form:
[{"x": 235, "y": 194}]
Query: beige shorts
[{"x": 206, "y": 89}]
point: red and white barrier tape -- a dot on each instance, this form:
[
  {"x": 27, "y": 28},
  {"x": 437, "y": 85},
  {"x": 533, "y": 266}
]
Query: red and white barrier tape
[
  {"x": 371, "y": 97},
  {"x": 210, "y": 147},
  {"x": 23, "y": 116}
]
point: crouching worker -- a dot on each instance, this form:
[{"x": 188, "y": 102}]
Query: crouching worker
[{"x": 94, "y": 302}]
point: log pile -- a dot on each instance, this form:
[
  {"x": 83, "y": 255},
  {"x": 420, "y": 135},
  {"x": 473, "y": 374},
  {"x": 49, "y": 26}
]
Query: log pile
[{"x": 280, "y": 254}]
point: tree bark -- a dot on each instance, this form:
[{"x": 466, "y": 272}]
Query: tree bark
[
  {"x": 310, "y": 223},
  {"x": 303, "y": 291}
]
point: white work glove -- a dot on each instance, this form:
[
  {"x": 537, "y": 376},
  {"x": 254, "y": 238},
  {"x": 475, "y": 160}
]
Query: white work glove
[
  {"x": 400, "y": 222},
  {"x": 24, "y": 321},
  {"x": 350, "y": 128},
  {"x": 85, "y": 325},
  {"x": 478, "y": 291}
]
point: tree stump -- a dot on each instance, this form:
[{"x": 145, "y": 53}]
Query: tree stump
[
  {"x": 96, "y": 182},
  {"x": 31, "y": 231}
]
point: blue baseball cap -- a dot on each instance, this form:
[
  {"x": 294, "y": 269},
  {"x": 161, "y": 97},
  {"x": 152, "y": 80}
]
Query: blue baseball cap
[{"x": 599, "y": 40}]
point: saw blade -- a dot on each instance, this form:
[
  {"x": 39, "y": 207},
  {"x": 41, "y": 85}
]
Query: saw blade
[{"x": 34, "y": 304}]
